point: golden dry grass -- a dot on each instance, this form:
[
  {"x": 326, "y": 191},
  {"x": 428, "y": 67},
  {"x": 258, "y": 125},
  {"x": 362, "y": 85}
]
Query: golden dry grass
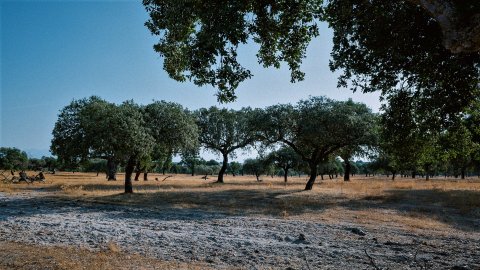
[
  {"x": 440, "y": 203},
  {"x": 22, "y": 256}
]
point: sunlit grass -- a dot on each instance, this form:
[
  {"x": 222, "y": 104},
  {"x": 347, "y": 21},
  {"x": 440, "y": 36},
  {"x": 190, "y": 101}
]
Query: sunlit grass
[{"x": 410, "y": 203}]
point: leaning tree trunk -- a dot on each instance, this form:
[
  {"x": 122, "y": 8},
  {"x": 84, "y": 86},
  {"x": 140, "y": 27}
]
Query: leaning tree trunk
[
  {"x": 346, "y": 175},
  {"x": 285, "y": 174},
  {"x": 313, "y": 176},
  {"x": 223, "y": 169},
  {"x": 111, "y": 170},
  {"x": 128, "y": 175},
  {"x": 137, "y": 175}
]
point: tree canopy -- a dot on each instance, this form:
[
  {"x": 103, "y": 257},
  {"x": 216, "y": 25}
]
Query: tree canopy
[
  {"x": 12, "y": 158},
  {"x": 224, "y": 131},
  {"x": 315, "y": 128},
  {"x": 430, "y": 47}
]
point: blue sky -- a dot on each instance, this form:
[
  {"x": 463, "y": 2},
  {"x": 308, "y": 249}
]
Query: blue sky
[{"x": 54, "y": 51}]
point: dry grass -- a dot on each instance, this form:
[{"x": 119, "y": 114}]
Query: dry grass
[
  {"x": 22, "y": 256},
  {"x": 407, "y": 203}
]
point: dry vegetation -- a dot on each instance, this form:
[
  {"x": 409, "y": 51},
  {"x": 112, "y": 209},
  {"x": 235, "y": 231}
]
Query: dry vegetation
[
  {"x": 411, "y": 203},
  {"x": 439, "y": 206},
  {"x": 22, "y": 256}
]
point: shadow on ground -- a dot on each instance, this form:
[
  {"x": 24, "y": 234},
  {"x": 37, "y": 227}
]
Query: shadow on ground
[{"x": 458, "y": 208}]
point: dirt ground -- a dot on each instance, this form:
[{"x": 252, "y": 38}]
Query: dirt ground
[{"x": 82, "y": 221}]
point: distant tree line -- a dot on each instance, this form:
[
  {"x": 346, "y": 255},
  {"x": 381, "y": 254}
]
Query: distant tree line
[{"x": 318, "y": 136}]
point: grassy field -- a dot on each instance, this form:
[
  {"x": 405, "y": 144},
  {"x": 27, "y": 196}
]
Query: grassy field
[
  {"x": 412, "y": 203},
  {"x": 438, "y": 206}
]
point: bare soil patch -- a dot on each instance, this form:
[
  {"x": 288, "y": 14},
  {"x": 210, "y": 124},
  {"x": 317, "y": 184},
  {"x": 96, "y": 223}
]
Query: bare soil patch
[{"x": 184, "y": 220}]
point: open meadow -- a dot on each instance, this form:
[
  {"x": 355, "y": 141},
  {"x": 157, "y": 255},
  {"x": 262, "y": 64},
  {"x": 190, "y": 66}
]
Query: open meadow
[{"x": 190, "y": 223}]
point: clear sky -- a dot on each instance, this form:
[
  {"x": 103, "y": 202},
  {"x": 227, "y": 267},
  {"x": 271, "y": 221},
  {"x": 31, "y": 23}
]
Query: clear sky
[{"x": 56, "y": 51}]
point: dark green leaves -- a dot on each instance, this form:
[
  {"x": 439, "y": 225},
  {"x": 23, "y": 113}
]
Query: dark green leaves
[{"x": 199, "y": 39}]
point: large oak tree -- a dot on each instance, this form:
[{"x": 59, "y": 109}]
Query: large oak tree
[
  {"x": 224, "y": 131},
  {"x": 315, "y": 128}
]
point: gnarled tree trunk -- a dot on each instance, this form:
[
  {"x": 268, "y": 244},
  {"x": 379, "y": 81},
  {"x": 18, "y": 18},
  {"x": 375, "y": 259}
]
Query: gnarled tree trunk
[
  {"x": 128, "y": 175},
  {"x": 461, "y": 33},
  {"x": 223, "y": 169},
  {"x": 111, "y": 169},
  {"x": 348, "y": 166},
  {"x": 313, "y": 175}
]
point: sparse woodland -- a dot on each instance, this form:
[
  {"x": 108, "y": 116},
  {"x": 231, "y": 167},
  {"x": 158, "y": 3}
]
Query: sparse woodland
[{"x": 332, "y": 185}]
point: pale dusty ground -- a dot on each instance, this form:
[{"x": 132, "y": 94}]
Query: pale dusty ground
[{"x": 249, "y": 225}]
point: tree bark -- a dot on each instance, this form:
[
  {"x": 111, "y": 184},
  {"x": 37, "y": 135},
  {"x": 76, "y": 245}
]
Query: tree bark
[
  {"x": 461, "y": 34},
  {"x": 128, "y": 175},
  {"x": 463, "y": 172},
  {"x": 414, "y": 173},
  {"x": 313, "y": 176},
  {"x": 285, "y": 174},
  {"x": 346, "y": 175},
  {"x": 193, "y": 169},
  {"x": 427, "y": 172},
  {"x": 393, "y": 176},
  {"x": 111, "y": 170},
  {"x": 145, "y": 176},
  {"x": 223, "y": 169},
  {"x": 137, "y": 175}
]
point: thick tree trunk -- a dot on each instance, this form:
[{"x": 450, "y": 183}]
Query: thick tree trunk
[
  {"x": 128, "y": 175},
  {"x": 393, "y": 176},
  {"x": 137, "y": 175},
  {"x": 313, "y": 176},
  {"x": 111, "y": 170},
  {"x": 461, "y": 33},
  {"x": 463, "y": 172},
  {"x": 145, "y": 176},
  {"x": 346, "y": 175},
  {"x": 223, "y": 169},
  {"x": 414, "y": 173},
  {"x": 285, "y": 174}
]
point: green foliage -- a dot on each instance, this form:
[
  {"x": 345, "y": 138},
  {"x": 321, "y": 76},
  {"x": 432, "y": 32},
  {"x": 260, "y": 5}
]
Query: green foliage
[
  {"x": 223, "y": 131},
  {"x": 173, "y": 129},
  {"x": 285, "y": 158},
  {"x": 256, "y": 167},
  {"x": 35, "y": 164},
  {"x": 94, "y": 165},
  {"x": 12, "y": 158},
  {"x": 70, "y": 142},
  {"x": 234, "y": 168},
  {"x": 395, "y": 46},
  {"x": 316, "y": 128},
  {"x": 94, "y": 128},
  {"x": 199, "y": 39}
]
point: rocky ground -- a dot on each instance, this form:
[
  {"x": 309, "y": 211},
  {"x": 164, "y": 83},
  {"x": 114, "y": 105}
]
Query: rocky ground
[{"x": 230, "y": 241}]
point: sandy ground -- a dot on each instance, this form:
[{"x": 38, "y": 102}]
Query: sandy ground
[{"x": 225, "y": 240}]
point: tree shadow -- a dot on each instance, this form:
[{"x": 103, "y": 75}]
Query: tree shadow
[{"x": 458, "y": 208}]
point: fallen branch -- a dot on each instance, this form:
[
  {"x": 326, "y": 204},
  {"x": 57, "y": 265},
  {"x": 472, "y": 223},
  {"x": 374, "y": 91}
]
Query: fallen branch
[
  {"x": 167, "y": 177},
  {"x": 372, "y": 261}
]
